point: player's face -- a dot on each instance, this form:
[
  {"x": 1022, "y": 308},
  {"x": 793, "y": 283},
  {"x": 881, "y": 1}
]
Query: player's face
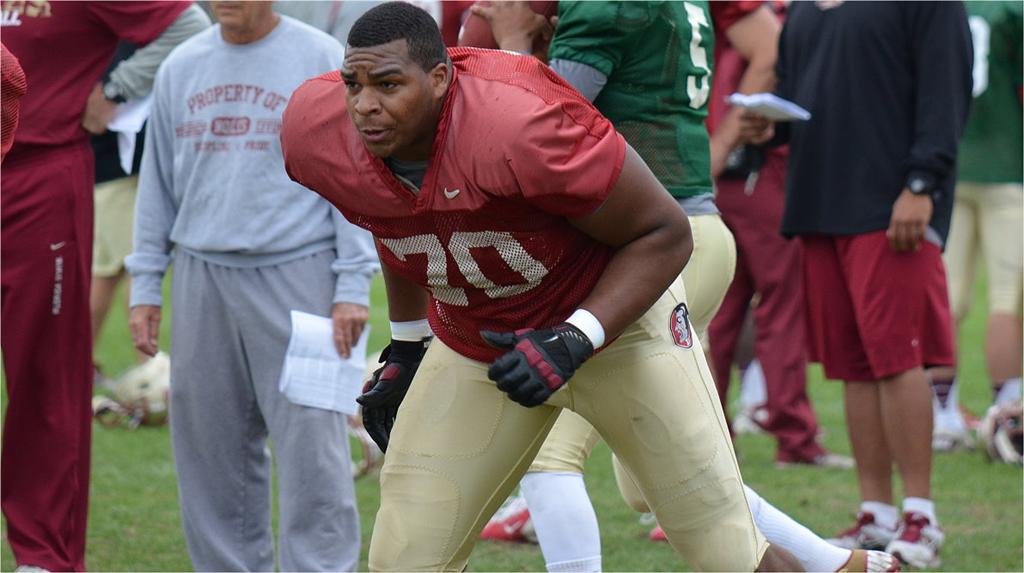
[{"x": 392, "y": 100}]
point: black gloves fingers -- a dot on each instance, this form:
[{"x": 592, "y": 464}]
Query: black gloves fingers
[
  {"x": 539, "y": 362},
  {"x": 387, "y": 388}
]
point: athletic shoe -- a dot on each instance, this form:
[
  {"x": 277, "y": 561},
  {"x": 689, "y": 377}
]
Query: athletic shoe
[
  {"x": 973, "y": 422},
  {"x": 30, "y": 569},
  {"x": 657, "y": 534},
  {"x": 826, "y": 460},
  {"x": 870, "y": 561},
  {"x": 99, "y": 380},
  {"x": 511, "y": 523},
  {"x": 918, "y": 541},
  {"x": 950, "y": 432},
  {"x": 750, "y": 420},
  {"x": 865, "y": 534}
]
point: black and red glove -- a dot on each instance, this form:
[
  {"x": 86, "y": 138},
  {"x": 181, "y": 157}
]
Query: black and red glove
[
  {"x": 383, "y": 393},
  {"x": 540, "y": 361}
]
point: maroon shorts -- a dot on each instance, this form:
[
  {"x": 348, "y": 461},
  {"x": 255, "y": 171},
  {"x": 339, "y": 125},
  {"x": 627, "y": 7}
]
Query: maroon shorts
[{"x": 873, "y": 313}]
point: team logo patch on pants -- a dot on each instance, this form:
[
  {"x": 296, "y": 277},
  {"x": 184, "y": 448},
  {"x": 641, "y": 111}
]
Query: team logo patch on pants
[{"x": 679, "y": 324}]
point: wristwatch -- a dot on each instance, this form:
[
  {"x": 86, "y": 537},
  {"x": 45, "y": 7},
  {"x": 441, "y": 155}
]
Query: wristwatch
[
  {"x": 111, "y": 93},
  {"x": 920, "y": 184}
]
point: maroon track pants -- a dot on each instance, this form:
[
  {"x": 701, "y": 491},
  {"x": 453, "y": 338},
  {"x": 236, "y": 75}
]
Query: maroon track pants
[
  {"x": 46, "y": 226},
  {"x": 768, "y": 264}
]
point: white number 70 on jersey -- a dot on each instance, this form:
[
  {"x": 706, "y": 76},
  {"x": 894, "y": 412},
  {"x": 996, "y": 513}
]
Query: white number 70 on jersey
[{"x": 459, "y": 246}]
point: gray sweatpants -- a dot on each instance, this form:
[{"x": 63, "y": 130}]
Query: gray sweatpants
[{"x": 230, "y": 332}]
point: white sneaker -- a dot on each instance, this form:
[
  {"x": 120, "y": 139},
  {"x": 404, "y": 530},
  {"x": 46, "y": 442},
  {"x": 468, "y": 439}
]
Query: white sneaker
[
  {"x": 30, "y": 569},
  {"x": 750, "y": 420},
  {"x": 918, "y": 542},
  {"x": 950, "y": 432},
  {"x": 865, "y": 534}
]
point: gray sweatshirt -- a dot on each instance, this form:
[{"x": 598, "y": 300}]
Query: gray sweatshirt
[
  {"x": 213, "y": 181},
  {"x": 133, "y": 78}
]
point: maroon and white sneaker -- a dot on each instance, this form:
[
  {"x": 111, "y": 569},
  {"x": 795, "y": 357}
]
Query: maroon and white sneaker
[
  {"x": 511, "y": 523},
  {"x": 918, "y": 541},
  {"x": 865, "y": 534}
]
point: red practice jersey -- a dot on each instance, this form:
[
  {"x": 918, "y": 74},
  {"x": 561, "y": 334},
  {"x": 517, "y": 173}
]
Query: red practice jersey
[
  {"x": 12, "y": 87},
  {"x": 517, "y": 153}
]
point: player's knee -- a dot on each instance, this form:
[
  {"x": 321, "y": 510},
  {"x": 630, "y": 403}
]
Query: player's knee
[
  {"x": 406, "y": 536},
  {"x": 629, "y": 490}
]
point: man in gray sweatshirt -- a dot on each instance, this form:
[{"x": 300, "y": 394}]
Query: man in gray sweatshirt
[{"x": 249, "y": 246}]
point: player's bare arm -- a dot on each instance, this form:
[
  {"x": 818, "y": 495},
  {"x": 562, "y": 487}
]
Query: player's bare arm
[
  {"x": 407, "y": 301},
  {"x": 756, "y": 38},
  {"x": 652, "y": 241},
  {"x": 384, "y": 392},
  {"x": 652, "y": 238},
  {"x": 144, "y": 322}
]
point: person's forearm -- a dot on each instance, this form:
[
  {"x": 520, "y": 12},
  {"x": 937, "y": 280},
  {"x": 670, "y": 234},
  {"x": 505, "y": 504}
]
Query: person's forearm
[
  {"x": 155, "y": 212},
  {"x": 407, "y": 301},
  {"x": 355, "y": 263},
  {"x": 759, "y": 77},
  {"x": 942, "y": 52},
  {"x": 134, "y": 76},
  {"x": 644, "y": 267},
  {"x": 755, "y": 37}
]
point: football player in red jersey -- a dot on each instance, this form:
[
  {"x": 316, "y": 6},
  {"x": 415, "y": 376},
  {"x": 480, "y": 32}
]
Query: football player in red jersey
[{"x": 511, "y": 215}]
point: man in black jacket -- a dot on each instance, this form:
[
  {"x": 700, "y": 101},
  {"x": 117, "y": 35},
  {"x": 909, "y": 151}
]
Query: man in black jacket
[{"x": 870, "y": 193}]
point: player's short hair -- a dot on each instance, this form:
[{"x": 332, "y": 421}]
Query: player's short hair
[{"x": 397, "y": 21}]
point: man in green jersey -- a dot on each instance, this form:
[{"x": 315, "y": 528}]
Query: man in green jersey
[{"x": 987, "y": 214}]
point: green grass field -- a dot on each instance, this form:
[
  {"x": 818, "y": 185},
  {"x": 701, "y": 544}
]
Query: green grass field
[{"x": 134, "y": 523}]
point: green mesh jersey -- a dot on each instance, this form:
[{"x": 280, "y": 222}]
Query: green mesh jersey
[
  {"x": 657, "y": 57},
  {"x": 991, "y": 150}
]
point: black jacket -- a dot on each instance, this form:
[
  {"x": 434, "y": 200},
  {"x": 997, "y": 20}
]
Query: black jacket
[{"x": 888, "y": 85}]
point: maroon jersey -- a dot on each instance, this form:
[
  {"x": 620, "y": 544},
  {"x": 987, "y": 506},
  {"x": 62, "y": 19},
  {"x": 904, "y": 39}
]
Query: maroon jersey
[
  {"x": 64, "y": 48},
  {"x": 517, "y": 153}
]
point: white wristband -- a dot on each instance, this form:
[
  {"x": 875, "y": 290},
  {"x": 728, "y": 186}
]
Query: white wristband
[
  {"x": 411, "y": 331},
  {"x": 589, "y": 325}
]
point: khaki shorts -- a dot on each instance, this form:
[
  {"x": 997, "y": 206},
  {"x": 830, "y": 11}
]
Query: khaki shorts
[
  {"x": 987, "y": 223},
  {"x": 115, "y": 211},
  {"x": 459, "y": 447}
]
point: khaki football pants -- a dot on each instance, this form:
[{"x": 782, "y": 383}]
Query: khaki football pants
[
  {"x": 460, "y": 445},
  {"x": 987, "y": 222},
  {"x": 707, "y": 277}
]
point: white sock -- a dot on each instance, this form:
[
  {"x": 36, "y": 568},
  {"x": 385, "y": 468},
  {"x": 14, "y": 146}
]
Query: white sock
[
  {"x": 921, "y": 505},
  {"x": 564, "y": 519},
  {"x": 813, "y": 552},
  {"x": 885, "y": 515},
  {"x": 752, "y": 386},
  {"x": 1009, "y": 391},
  {"x": 589, "y": 565}
]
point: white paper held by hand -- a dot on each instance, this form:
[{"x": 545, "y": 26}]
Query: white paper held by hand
[
  {"x": 770, "y": 105},
  {"x": 127, "y": 122},
  {"x": 313, "y": 374}
]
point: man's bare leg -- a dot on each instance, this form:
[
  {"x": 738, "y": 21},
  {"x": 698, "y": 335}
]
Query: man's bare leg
[
  {"x": 906, "y": 407},
  {"x": 868, "y": 440}
]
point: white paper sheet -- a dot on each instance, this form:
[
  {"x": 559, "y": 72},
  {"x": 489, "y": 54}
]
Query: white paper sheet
[
  {"x": 771, "y": 106},
  {"x": 313, "y": 373},
  {"x": 128, "y": 121}
]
